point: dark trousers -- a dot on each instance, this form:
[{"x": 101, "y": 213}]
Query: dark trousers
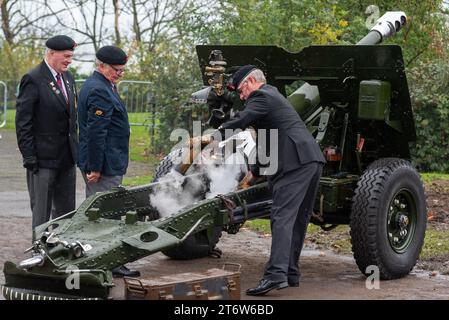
[
  {"x": 51, "y": 188},
  {"x": 291, "y": 211}
]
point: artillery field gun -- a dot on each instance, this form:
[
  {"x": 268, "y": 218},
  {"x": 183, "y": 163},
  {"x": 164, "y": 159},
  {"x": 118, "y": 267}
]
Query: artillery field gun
[{"x": 355, "y": 101}]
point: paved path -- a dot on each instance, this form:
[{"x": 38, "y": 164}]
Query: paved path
[{"x": 14, "y": 199}]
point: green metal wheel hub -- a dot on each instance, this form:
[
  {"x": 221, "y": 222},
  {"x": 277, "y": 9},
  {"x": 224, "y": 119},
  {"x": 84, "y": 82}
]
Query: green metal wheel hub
[{"x": 401, "y": 220}]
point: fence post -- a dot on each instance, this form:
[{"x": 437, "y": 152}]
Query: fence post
[{"x": 3, "y": 123}]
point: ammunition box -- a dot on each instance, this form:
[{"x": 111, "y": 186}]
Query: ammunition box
[
  {"x": 374, "y": 99},
  {"x": 213, "y": 284},
  {"x": 334, "y": 194}
]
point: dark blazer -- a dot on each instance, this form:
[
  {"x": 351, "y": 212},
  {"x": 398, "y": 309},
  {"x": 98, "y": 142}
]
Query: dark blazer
[
  {"x": 267, "y": 108},
  {"x": 46, "y": 124},
  {"x": 104, "y": 128}
]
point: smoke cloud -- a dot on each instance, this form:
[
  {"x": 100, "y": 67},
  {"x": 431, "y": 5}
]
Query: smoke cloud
[
  {"x": 223, "y": 178},
  {"x": 176, "y": 191}
]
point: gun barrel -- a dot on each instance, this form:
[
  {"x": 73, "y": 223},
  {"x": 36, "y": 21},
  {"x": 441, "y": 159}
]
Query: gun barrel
[{"x": 385, "y": 27}]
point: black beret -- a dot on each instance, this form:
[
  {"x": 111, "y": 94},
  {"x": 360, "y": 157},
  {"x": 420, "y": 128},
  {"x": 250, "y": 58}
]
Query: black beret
[
  {"x": 61, "y": 43},
  {"x": 239, "y": 75},
  {"x": 112, "y": 55}
]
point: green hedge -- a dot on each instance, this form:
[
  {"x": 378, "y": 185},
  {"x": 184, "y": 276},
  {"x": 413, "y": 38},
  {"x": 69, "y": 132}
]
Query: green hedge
[{"x": 429, "y": 88}]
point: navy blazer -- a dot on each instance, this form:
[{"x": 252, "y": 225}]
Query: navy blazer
[
  {"x": 103, "y": 128},
  {"x": 45, "y": 120},
  {"x": 267, "y": 108}
]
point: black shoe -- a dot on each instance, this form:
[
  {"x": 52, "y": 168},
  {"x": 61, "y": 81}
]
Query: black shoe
[
  {"x": 293, "y": 279},
  {"x": 123, "y": 271},
  {"x": 293, "y": 283},
  {"x": 266, "y": 286}
]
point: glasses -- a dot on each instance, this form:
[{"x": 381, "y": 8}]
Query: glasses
[
  {"x": 239, "y": 89},
  {"x": 117, "y": 70}
]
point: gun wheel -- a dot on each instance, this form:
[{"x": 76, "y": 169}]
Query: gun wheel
[{"x": 388, "y": 218}]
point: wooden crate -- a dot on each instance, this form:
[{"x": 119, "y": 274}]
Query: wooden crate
[{"x": 212, "y": 284}]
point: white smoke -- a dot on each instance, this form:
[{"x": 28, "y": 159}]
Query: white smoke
[
  {"x": 224, "y": 178},
  {"x": 169, "y": 196}
]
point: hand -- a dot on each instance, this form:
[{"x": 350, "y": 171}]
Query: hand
[
  {"x": 206, "y": 139},
  {"x": 203, "y": 140},
  {"x": 31, "y": 164},
  {"x": 255, "y": 170},
  {"x": 93, "y": 176},
  {"x": 246, "y": 181}
]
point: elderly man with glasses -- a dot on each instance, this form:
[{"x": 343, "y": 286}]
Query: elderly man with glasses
[
  {"x": 104, "y": 129},
  {"x": 294, "y": 184}
]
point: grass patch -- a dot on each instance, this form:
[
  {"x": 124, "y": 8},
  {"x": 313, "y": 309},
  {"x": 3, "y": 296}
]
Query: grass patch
[
  {"x": 10, "y": 120},
  {"x": 436, "y": 244},
  {"x": 431, "y": 176},
  {"x": 258, "y": 225},
  {"x": 139, "y": 144},
  {"x": 339, "y": 240},
  {"x": 137, "y": 181},
  {"x": 141, "y": 141}
]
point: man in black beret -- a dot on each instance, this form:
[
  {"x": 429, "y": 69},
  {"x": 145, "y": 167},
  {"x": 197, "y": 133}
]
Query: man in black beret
[
  {"x": 61, "y": 43},
  {"x": 46, "y": 128},
  {"x": 112, "y": 56},
  {"x": 295, "y": 182},
  {"x": 104, "y": 129},
  {"x": 239, "y": 75},
  {"x": 103, "y": 122}
]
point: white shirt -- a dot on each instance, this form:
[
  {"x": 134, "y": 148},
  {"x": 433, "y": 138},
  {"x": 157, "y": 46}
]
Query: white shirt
[{"x": 55, "y": 73}]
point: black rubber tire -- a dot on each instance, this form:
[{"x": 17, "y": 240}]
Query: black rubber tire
[
  {"x": 375, "y": 191},
  {"x": 167, "y": 164},
  {"x": 197, "y": 245}
]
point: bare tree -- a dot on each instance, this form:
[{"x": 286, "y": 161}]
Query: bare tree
[
  {"x": 6, "y": 27},
  {"x": 24, "y": 24},
  {"x": 116, "y": 4},
  {"x": 23, "y": 20},
  {"x": 153, "y": 19},
  {"x": 136, "y": 23},
  {"x": 85, "y": 18}
]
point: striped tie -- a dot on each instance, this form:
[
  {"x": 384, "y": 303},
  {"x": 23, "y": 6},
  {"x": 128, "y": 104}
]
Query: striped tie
[{"x": 60, "y": 85}]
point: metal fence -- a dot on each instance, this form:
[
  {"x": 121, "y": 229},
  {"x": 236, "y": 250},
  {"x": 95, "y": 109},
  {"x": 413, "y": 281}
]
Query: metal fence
[
  {"x": 137, "y": 96},
  {"x": 140, "y": 102},
  {"x": 8, "y": 94},
  {"x": 3, "y": 103}
]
